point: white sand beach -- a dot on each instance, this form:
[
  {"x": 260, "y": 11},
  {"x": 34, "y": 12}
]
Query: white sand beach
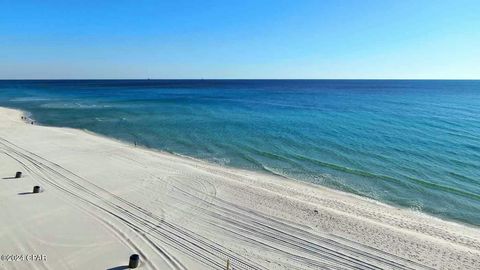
[{"x": 103, "y": 200}]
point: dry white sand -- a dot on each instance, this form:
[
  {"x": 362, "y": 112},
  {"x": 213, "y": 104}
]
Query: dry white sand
[{"x": 103, "y": 200}]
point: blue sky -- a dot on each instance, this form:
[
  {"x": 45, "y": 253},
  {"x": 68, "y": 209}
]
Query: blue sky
[{"x": 240, "y": 39}]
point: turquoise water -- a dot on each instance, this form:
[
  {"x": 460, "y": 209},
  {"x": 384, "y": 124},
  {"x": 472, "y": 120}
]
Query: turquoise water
[{"x": 414, "y": 144}]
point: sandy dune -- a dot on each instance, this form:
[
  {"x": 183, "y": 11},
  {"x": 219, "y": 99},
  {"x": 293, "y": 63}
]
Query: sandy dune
[{"x": 103, "y": 200}]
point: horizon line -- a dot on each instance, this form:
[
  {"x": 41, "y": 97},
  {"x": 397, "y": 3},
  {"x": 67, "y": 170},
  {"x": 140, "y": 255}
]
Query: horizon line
[{"x": 242, "y": 79}]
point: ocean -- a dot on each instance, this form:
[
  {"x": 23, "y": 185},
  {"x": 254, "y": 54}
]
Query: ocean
[{"x": 412, "y": 144}]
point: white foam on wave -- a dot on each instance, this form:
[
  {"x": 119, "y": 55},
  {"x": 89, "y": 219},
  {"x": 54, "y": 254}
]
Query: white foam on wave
[
  {"x": 70, "y": 105},
  {"x": 26, "y": 99}
]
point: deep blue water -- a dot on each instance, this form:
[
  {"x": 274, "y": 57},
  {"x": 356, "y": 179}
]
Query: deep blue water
[{"x": 414, "y": 144}]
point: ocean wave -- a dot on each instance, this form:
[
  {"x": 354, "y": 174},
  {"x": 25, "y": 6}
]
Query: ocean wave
[
  {"x": 27, "y": 99},
  {"x": 371, "y": 175},
  {"x": 72, "y": 105},
  {"x": 219, "y": 161}
]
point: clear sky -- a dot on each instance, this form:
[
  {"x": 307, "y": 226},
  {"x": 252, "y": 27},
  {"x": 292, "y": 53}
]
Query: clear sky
[{"x": 240, "y": 39}]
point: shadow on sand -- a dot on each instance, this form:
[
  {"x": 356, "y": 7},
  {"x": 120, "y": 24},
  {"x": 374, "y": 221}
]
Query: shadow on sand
[
  {"x": 25, "y": 193},
  {"x": 118, "y": 267}
]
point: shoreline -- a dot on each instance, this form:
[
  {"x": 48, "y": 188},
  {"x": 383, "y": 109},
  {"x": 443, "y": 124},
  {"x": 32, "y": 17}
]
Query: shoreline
[
  {"x": 233, "y": 210},
  {"x": 29, "y": 117}
]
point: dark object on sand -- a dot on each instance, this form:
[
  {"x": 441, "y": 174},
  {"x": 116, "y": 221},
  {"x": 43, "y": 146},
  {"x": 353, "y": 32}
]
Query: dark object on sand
[
  {"x": 134, "y": 261},
  {"x": 36, "y": 189},
  {"x": 18, "y": 175}
]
